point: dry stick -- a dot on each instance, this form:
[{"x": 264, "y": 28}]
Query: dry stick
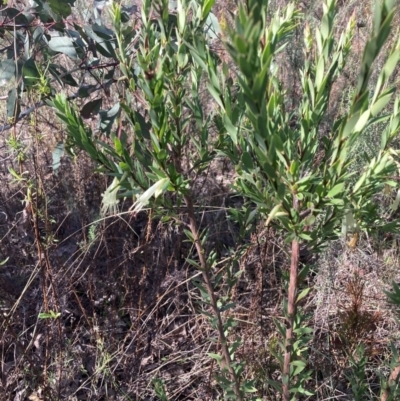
[
  {"x": 41, "y": 263},
  {"x": 226, "y": 359},
  {"x": 294, "y": 267},
  {"x": 213, "y": 300},
  {"x": 45, "y": 269},
  {"x": 48, "y": 265}
]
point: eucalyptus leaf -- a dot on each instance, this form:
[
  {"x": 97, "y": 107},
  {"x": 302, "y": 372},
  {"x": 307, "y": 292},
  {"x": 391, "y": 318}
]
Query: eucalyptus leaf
[
  {"x": 211, "y": 27},
  {"x": 57, "y": 155},
  {"x": 13, "y": 107},
  {"x": 103, "y": 38},
  {"x": 62, "y": 75},
  {"x": 65, "y": 45},
  {"x": 7, "y": 71},
  {"x": 107, "y": 118},
  {"x": 39, "y": 35},
  {"x": 86, "y": 90},
  {"x": 14, "y": 16},
  {"x": 91, "y": 108}
]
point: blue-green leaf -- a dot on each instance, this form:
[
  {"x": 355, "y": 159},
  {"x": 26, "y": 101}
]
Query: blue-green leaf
[{"x": 65, "y": 45}]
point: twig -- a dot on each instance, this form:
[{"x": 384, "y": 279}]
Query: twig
[{"x": 291, "y": 312}]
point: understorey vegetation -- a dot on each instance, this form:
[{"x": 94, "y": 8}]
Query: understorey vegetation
[{"x": 199, "y": 200}]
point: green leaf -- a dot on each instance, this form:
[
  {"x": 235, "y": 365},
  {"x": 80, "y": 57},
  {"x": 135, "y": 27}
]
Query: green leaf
[
  {"x": 231, "y": 129},
  {"x": 339, "y": 188},
  {"x": 335, "y": 202},
  {"x": 217, "y": 357},
  {"x": 305, "y": 236},
  {"x": 362, "y": 121},
  {"x": 294, "y": 167},
  {"x": 248, "y": 387},
  {"x": 360, "y": 182},
  {"x": 387, "y": 70},
  {"x": 303, "y": 294},
  {"x": 269, "y": 170},
  {"x": 320, "y": 73},
  {"x": 299, "y": 367},
  {"x": 260, "y": 82},
  {"x": 382, "y": 101},
  {"x": 202, "y": 289},
  {"x": 206, "y": 8},
  {"x": 247, "y": 162},
  {"x": 200, "y": 61},
  {"x": 276, "y": 211},
  {"x": 216, "y": 95},
  {"x": 193, "y": 263}
]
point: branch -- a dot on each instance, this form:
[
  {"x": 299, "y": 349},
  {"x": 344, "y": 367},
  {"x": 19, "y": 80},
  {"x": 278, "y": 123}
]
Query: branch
[{"x": 291, "y": 313}]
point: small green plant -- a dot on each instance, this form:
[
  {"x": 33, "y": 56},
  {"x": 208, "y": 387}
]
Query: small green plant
[
  {"x": 49, "y": 315},
  {"x": 357, "y": 376},
  {"x": 159, "y": 389},
  {"x": 17, "y": 148},
  {"x": 92, "y": 232}
]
